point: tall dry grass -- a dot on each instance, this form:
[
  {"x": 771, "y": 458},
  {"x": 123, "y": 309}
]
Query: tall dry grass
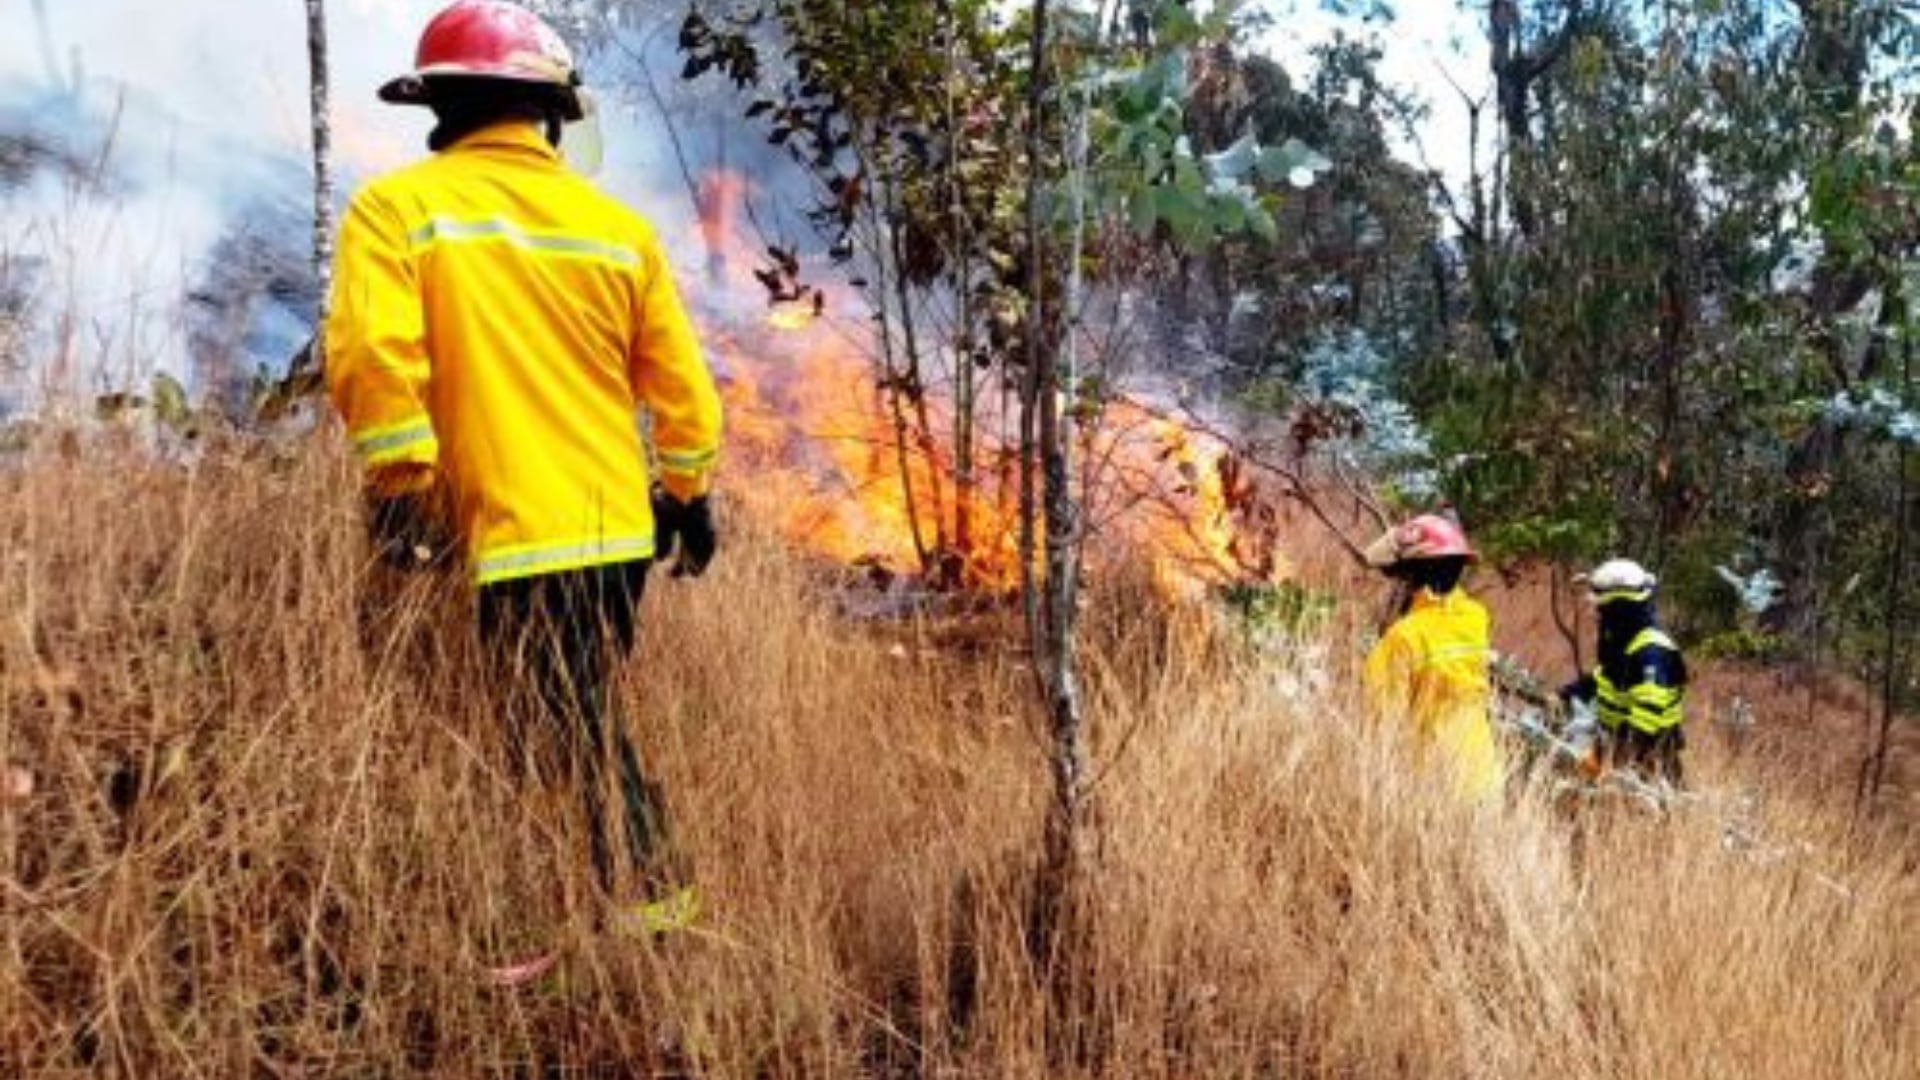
[{"x": 271, "y": 836}]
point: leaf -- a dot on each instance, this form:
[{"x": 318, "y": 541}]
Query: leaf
[
  {"x": 1178, "y": 210},
  {"x": 1236, "y": 161},
  {"x": 18, "y": 785},
  {"x": 1141, "y": 211},
  {"x": 1154, "y": 158},
  {"x": 1177, "y": 24},
  {"x": 1228, "y": 212},
  {"x": 1292, "y": 161},
  {"x": 1262, "y": 225},
  {"x": 1188, "y": 178},
  {"x": 170, "y": 403}
]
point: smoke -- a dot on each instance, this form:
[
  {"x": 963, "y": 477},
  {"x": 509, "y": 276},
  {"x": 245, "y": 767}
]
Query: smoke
[
  {"x": 147, "y": 140},
  {"x": 102, "y": 223},
  {"x": 155, "y": 179}
]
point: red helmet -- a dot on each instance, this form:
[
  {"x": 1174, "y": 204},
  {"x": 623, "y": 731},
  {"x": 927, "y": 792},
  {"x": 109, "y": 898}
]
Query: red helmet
[
  {"x": 489, "y": 39},
  {"x": 1429, "y": 536}
]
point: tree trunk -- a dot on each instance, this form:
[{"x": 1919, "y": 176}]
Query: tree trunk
[
  {"x": 964, "y": 483},
  {"x": 1669, "y": 486},
  {"x": 1873, "y": 771},
  {"x": 910, "y": 390},
  {"x": 1515, "y": 70},
  {"x": 1510, "y": 96},
  {"x": 1051, "y": 441},
  {"x": 1059, "y": 410},
  {"x": 320, "y": 112},
  {"x": 1569, "y": 630}
]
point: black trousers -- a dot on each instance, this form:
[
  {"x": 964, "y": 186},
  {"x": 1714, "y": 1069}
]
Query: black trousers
[
  {"x": 552, "y": 642},
  {"x": 1655, "y": 757}
]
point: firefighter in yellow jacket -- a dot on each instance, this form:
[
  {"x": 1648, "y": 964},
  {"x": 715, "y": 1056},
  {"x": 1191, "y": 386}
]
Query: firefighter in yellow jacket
[
  {"x": 497, "y": 325},
  {"x": 1430, "y": 669}
]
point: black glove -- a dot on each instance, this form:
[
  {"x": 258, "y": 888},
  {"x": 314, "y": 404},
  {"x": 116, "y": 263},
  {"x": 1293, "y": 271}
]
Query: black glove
[
  {"x": 1580, "y": 689},
  {"x": 686, "y": 526},
  {"x": 405, "y": 532}
]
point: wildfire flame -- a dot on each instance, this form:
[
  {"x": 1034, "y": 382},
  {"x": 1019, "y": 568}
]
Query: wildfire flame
[
  {"x": 809, "y": 428},
  {"x": 818, "y": 441},
  {"x": 1181, "y": 496},
  {"x": 792, "y": 315}
]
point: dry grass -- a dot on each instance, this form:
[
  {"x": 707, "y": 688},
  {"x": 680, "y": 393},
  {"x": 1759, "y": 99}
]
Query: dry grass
[{"x": 270, "y": 837}]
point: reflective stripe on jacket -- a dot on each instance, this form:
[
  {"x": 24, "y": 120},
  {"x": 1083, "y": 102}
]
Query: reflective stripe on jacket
[
  {"x": 498, "y": 321},
  {"x": 1430, "y": 669},
  {"x": 1652, "y": 700}
]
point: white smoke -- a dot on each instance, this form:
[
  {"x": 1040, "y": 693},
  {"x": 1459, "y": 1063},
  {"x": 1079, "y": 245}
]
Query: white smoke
[{"x": 138, "y": 139}]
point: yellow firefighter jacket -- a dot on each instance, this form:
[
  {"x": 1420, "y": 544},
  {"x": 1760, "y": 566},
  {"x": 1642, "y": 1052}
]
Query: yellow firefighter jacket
[
  {"x": 496, "y": 323},
  {"x": 1430, "y": 670}
]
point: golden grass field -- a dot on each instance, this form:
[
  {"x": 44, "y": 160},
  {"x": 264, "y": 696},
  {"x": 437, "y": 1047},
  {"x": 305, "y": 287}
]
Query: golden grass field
[{"x": 270, "y": 835}]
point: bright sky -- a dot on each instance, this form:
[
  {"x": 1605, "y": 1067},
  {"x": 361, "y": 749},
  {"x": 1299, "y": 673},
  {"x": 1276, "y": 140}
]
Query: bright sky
[
  {"x": 242, "y": 63},
  {"x": 207, "y": 78},
  {"x": 1427, "y": 44}
]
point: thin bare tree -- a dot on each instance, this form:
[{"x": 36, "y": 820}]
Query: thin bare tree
[
  {"x": 1047, "y": 508},
  {"x": 320, "y": 111}
]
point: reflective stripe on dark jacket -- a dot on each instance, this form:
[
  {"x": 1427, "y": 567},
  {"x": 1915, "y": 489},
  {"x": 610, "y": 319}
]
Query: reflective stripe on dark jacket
[{"x": 1646, "y": 688}]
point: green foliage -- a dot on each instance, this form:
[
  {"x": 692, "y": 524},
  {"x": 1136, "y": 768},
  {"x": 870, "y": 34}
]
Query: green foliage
[
  {"x": 1358, "y": 250},
  {"x": 1739, "y": 644},
  {"x": 1285, "y": 609},
  {"x": 1701, "y": 601},
  {"x": 913, "y": 119},
  {"x": 1564, "y": 539},
  {"x": 1144, "y": 170},
  {"x": 170, "y": 404},
  {"x": 1688, "y": 310},
  {"x": 1674, "y": 318}
]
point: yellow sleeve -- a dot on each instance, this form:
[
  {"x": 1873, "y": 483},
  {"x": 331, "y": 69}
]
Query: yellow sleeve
[
  {"x": 1389, "y": 677},
  {"x": 670, "y": 377},
  {"x": 376, "y": 355}
]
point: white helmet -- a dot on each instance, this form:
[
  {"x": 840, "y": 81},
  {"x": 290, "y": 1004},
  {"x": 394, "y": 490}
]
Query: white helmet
[{"x": 1620, "y": 579}]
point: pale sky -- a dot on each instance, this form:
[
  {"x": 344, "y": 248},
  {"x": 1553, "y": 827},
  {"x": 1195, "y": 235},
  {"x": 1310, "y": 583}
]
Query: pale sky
[
  {"x": 237, "y": 64},
  {"x": 1428, "y": 43},
  {"x": 241, "y": 64},
  {"x": 210, "y": 79}
]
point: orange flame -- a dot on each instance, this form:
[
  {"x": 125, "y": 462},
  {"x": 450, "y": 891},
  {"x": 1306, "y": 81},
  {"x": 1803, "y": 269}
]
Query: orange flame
[
  {"x": 1184, "y": 498},
  {"x": 791, "y": 315},
  {"x": 822, "y": 452}
]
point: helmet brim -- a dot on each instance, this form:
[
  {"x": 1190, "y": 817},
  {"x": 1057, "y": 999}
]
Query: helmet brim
[
  {"x": 1382, "y": 553},
  {"x": 416, "y": 88},
  {"x": 408, "y": 89},
  {"x": 1615, "y": 596}
]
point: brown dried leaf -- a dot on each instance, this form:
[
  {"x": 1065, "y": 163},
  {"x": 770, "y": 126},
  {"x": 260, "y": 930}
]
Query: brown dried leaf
[{"x": 18, "y": 786}]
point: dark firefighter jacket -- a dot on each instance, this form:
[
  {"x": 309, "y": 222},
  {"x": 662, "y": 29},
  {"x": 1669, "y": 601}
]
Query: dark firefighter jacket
[{"x": 1641, "y": 679}]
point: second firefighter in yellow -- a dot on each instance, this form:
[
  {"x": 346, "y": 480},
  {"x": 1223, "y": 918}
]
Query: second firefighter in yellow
[{"x": 1430, "y": 669}]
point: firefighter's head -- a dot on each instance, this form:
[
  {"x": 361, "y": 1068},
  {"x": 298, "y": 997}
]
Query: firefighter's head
[
  {"x": 1622, "y": 591},
  {"x": 1430, "y": 551},
  {"x": 480, "y": 62}
]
